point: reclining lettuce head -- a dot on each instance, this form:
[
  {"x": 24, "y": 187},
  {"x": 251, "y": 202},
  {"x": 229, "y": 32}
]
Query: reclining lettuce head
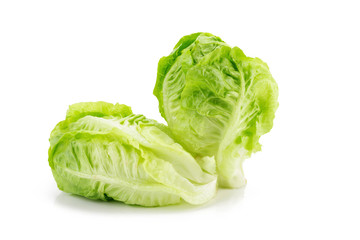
[
  {"x": 216, "y": 101},
  {"x": 103, "y": 151}
]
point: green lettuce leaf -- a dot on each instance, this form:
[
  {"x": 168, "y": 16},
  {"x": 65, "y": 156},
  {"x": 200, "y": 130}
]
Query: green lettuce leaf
[
  {"x": 216, "y": 101},
  {"x": 103, "y": 151}
]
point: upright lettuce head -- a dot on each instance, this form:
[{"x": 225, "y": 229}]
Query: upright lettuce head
[
  {"x": 216, "y": 101},
  {"x": 103, "y": 151}
]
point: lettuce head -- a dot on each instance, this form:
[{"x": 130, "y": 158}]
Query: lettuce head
[
  {"x": 103, "y": 151},
  {"x": 216, "y": 101}
]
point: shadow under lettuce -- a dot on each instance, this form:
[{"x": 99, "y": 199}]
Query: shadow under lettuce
[{"x": 224, "y": 198}]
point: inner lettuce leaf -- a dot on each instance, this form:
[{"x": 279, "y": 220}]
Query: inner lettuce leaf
[
  {"x": 216, "y": 101},
  {"x": 103, "y": 151}
]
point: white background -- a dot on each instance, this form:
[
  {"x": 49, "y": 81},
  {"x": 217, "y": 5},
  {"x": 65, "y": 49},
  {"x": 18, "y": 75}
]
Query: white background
[{"x": 303, "y": 185}]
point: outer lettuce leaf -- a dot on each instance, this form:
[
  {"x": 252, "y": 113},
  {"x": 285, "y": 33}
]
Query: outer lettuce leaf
[
  {"x": 103, "y": 151},
  {"x": 216, "y": 101}
]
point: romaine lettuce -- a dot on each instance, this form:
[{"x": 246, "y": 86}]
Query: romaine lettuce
[
  {"x": 216, "y": 101},
  {"x": 103, "y": 151}
]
